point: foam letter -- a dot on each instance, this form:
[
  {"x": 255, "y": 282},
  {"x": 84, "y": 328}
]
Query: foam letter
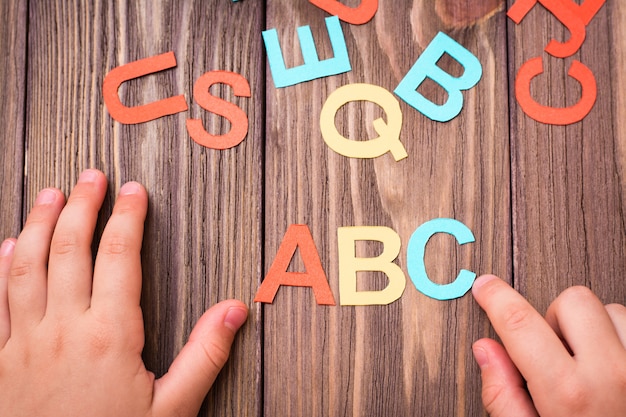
[
  {"x": 388, "y": 133},
  {"x": 565, "y": 13},
  {"x": 147, "y": 112},
  {"x": 359, "y": 15},
  {"x": 588, "y": 9},
  {"x": 426, "y": 66},
  {"x": 349, "y": 264},
  {"x": 313, "y": 67},
  {"x": 553, "y": 115},
  {"x": 417, "y": 268},
  {"x": 236, "y": 116},
  {"x": 298, "y": 235}
]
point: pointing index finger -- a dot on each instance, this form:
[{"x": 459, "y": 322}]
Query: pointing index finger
[{"x": 528, "y": 338}]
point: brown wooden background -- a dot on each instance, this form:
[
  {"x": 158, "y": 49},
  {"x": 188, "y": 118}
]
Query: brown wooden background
[{"x": 546, "y": 203}]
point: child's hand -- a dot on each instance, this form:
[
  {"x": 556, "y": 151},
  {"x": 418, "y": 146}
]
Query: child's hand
[
  {"x": 71, "y": 335},
  {"x": 573, "y": 362}
]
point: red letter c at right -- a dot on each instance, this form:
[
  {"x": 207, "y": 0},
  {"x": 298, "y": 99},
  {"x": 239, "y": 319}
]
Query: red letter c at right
[{"x": 554, "y": 115}]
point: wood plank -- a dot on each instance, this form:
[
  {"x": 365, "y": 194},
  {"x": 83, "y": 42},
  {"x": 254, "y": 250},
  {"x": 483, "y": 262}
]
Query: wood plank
[
  {"x": 617, "y": 42},
  {"x": 13, "y": 87},
  {"x": 203, "y": 233},
  {"x": 568, "y": 180},
  {"x": 413, "y": 356}
]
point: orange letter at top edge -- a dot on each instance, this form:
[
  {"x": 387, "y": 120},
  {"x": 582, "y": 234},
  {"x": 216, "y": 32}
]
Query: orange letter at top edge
[
  {"x": 567, "y": 13},
  {"x": 359, "y": 15},
  {"x": 146, "y": 112},
  {"x": 553, "y": 115},
  {"x": 298, "y": 235},
  {"x": 585, "y": 11},
  {"x": 236, "y": 116},
  {"x": 588, "y": 9}
]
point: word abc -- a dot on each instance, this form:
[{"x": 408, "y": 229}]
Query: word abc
[{"x": 298, "y": 236}]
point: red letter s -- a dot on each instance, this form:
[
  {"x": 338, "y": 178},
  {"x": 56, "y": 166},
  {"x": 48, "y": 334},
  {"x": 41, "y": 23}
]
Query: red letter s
[{"x": 236, "y": 116}]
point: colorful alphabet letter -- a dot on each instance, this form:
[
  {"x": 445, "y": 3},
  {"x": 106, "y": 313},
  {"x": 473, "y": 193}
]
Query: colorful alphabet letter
[
  {"x": 297, "y": 236},
  {"x": 555, "y": 115},
  {"x": 573, "y": 16},
  {"x": 236, "y": 116},
  {"x": 349, "y": 265},
  {"x": 359, "y": 15},
  {"x": 146, "y": 112},
  {"x": 388, "y": 133},
  {"x": 415, "y": 259},
  {"x": 426, "y": 66},
  {"x": 312, "y": 67}
]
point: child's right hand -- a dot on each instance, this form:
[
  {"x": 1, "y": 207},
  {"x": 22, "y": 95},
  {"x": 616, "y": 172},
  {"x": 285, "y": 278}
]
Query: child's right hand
[
  {"x": 71, "y": 333},
  {"x": 570, "y": 363}
]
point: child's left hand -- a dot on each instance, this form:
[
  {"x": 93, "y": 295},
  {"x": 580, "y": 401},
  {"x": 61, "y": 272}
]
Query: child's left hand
[{"x": 71, "y": 335}]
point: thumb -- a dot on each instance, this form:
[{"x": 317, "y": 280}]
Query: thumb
[
  {"x": 504, "y": 391},
  {"x": 182, "y": 389}
]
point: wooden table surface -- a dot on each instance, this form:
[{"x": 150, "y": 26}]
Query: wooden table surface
[{"x": 546, "y": 203}]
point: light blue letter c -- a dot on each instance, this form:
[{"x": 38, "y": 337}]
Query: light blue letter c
[{"x": 417, "y": 268}]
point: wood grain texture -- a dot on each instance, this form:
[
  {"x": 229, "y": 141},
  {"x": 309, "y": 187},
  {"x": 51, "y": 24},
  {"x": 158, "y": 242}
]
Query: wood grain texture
[
  {"x": 617, "y": 61},
  {"x": 546, "y": 203},
  {"x": 412, "y": 357},
  {"x": 568, "y": 180},
  {"x": 203, "y": 232},
  {"x": 13, "y": 86}
]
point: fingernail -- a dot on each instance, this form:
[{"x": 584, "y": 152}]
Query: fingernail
[
  {"x": 482, "y": 280},
  {"x": 46, "y": 196},
  {"x": 89, "y": 175},
  {"x": 235, "y": 318},
  {"x": 7, "y": 247},
  {"x": 480, "y": 355},
  {"x": 130, "y": 188}
]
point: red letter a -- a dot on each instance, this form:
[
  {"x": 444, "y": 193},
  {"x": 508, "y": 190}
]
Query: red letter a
[{"x": 298, "y": 235}]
